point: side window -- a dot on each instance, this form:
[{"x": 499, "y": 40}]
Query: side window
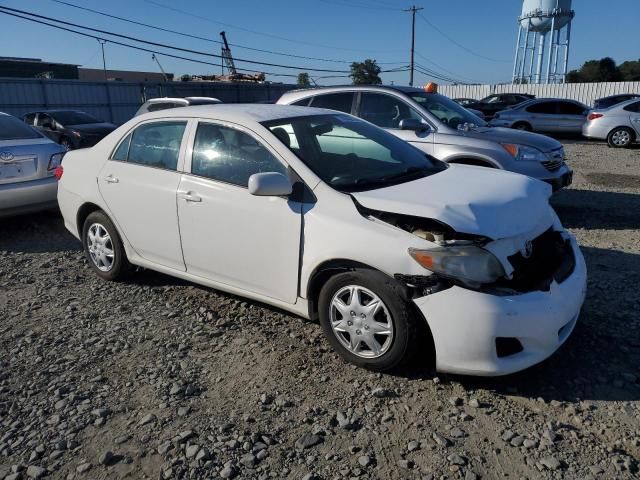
[
  {"x": 230, "y": 156},
  {"x": 384, "y": 110},
  {"x": 44, "y": 120},
  {"x": 305, "y": 102},
  {"x": 157, "y": 144},
  {"x": 543, "y": 107},
  {"x": 334, "y": 101},
  {"x": 568, "y": 108},
  {"x": 634, "y": 107},
  {"x": 122, "y": 152},
  {"x": 30, "y": 118}
]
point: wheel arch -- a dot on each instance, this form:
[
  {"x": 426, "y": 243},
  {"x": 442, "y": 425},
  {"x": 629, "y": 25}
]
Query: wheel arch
[
  {"x": 634, "y": 134},
  {"x": 83, "y": 212}
]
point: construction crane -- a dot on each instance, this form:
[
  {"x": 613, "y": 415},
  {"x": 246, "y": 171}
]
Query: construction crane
[
  {"x": 233, "y": 75},
  {"x": 153, "y": 57}
]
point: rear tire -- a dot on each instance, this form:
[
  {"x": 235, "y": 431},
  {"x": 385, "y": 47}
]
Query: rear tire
[
  {"x": 620, "y": 137},
  {"x": 524, "y": 126},
  {"x": 103, "y": 247},
  {"x": 378, "y": 338}
]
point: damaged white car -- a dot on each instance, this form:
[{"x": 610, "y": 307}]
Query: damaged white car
[{"x": 330, "y": 217}]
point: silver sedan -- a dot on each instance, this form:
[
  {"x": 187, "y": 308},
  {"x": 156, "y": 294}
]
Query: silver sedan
[
  {"x": 550, "y": 115},
  {"x": 28, "y": 163},
  {"x": 618, "y": 125}
]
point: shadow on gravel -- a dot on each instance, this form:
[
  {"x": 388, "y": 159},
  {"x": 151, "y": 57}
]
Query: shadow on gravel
[
  {"x": 601, "y": 359},
  {"x": 590, "y": 209},
  {"x": 42, "y": 232}
]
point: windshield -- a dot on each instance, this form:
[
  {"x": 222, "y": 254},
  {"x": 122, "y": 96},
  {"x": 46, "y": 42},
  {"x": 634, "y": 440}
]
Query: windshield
[
  {"x": 445, "y": 109},
  {"x": 74, "y": 118},
  {"x": 352, "y": 155},
  {"x": 13, "y": 129}
]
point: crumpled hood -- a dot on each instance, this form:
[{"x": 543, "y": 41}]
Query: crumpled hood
[
  {"x": 509, "y": 135},
  {"x": 96, "y": 128},
  {"x": 473, "y": 200}
]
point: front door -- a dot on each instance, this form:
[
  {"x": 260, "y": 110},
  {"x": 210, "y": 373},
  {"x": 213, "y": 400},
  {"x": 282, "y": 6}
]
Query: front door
[
  {"x": 139, "y": 185},
  {"x": 228, "y": 235},
  {"x": 634, "y": 116}
]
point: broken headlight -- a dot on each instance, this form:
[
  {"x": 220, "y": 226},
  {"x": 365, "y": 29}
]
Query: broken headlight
[{"x": 469, "y": 264}]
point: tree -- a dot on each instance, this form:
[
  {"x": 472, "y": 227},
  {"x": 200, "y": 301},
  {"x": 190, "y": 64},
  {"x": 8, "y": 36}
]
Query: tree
[
  {"x": 365, "y": 73},
  {"x": 603, "y": 70},
  {"x": 630, "y": 70},
  {"x": 303, "y": 80}
]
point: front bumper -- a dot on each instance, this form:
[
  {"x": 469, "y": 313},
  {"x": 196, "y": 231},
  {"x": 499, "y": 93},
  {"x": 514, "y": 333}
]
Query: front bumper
[
  {"x": 26, "y": 197},
  {"x": 564, "y": 180},
  {"x": 465, "y": 324}
]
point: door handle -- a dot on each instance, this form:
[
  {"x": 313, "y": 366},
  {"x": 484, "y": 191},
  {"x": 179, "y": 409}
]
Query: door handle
[
  {"x": 189, "y": 197},
  {"x": 111, "y": 179}
]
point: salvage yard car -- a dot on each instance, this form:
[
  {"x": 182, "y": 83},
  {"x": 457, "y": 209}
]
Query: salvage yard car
[
  {"x": 335, "y": 219},
  {"x": 548, "y": 115},
  {"x": 440, "y": 127},
  {"x": 28, "y": 162},
  {"x": 70, "y": 128},
  {"x": 619, "y": 125}
]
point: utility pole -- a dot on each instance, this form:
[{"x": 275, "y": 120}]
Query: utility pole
[
  {"x": 413, "y": 11},
  {"x": 104, "y": 62}
]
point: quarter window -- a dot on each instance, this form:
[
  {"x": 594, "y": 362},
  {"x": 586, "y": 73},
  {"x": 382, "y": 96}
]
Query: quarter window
[
  {"x": 154, "y": 144},
  {"x": 334, "y": 101},
  {"x": 230, "y": 156},
  {"x": 384, "y": 110},
  {"x": 122, "y": 152},
  {"x": 634, "y": 107}
]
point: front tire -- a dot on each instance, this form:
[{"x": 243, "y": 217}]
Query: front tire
[
  {"x": 620, "y": 137},
  {"x": 367, "y": 320},
  {"x": 103, "y": 247}
]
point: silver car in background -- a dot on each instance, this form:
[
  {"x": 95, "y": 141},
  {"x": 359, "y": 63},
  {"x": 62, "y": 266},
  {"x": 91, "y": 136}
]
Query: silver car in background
[
  {"x": 28, "y": 163},
  {"x": 442, "y": 128},
  {"x": 548, "y": 115},
  {"x": 618, "y": 125}
]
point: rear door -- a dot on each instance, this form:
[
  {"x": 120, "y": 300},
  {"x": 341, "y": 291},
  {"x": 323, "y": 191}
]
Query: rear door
[
  {"x": 634, "y": 116},
  {"x": 139, "y": 184},
  {"x": 571, "y": 116},
  {"x": 543, "y": 116}
]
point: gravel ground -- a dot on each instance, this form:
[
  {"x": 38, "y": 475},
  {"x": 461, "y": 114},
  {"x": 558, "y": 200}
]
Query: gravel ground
[{"x": 160, "y": 379}]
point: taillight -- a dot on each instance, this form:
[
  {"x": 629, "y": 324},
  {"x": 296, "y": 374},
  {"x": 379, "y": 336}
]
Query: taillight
[
  {"x": 58, "y": 172},
  {"x": 593, "y": 116}
]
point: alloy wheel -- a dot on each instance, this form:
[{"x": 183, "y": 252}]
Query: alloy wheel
[
  {"x": 100, "y": 247},
  {"x": 361, "y": 321},
  {"x": 621, "y": 138}
]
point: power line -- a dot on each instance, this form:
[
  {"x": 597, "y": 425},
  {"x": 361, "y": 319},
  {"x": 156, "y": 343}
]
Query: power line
[
  {"x": 449, "y": 72},
  {"x": 255, "y": 32},
  {"x": 205, "y": 39},
  {"x": 458, "y": 44},
  {"x": 163, "y": 45}
]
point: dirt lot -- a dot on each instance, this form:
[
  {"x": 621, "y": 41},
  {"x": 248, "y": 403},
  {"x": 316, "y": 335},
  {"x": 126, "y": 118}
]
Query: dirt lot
[{"x": 157, "y": 378}]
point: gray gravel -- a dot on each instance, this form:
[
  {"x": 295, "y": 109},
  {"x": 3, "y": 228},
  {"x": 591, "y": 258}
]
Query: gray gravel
[{"x": 157, "y": 378}]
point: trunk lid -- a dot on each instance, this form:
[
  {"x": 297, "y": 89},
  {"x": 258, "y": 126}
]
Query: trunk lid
[{"x": 25, "y": 160}]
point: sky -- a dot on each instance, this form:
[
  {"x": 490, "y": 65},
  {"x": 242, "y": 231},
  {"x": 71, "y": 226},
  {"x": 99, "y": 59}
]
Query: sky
[{"x": 474, "y": 40}]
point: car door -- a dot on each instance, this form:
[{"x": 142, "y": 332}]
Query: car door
[
  {"x": 633, "y": 110},
  {"x": 228, "y": 235},
  {"x": 543, "y": 116},
  {"x": 46, "y": 124},
  {"x": 387, "y": 111},
  {"x": 571, "y": 116},
  {"x": 139, "y": 184}
]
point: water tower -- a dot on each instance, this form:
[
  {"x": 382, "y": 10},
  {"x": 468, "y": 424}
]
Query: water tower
[{"x": 544, "y": 34}]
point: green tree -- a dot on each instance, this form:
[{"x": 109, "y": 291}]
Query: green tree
[
  {"x": 303, "y": 80},
  {"x": 630, "y": 70},
  {"x": 603, "y": 70},
  {"x": 365, "y": 73}
]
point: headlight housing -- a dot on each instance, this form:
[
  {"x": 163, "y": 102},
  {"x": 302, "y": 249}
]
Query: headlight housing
[
  {"x": 523, "y": 152},
  {"x": 469, "y": 264}
]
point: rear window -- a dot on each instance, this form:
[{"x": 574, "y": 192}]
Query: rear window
[
  {"x": 13, "y": 129},
  {"x": 74, "y": 118}
]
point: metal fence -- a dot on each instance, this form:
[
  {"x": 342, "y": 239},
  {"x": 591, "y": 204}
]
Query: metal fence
[
  {"x": 117, "y": 102},
  {"x": 583, "y": 92}
]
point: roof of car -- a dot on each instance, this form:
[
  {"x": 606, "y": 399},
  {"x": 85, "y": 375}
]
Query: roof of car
[
  {"x": 251, "y": 112},
  {"x": 59, "y": 110},
  {"x": 619, "y": 95},
  {"x": 399, "y": 88}
]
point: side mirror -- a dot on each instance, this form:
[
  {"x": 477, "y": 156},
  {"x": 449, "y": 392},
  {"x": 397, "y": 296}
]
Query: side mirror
[
  {"x": 413, "y": 124},
  {"x": 269, "y": 184}
]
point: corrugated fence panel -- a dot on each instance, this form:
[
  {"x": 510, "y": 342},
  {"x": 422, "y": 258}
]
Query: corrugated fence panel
[
  {"x": 118, "y": 101},
  {"x": 583, "y": 92}
]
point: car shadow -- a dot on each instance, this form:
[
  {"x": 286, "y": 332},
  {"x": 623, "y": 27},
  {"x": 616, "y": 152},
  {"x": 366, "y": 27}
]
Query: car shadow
[
  {"x": 41, "y": 232},
  {"x": 599, "y": 361},
  {"x": 592, "y": 209}
]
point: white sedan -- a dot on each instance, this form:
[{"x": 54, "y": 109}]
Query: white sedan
[{"x": 332, "y": 218}]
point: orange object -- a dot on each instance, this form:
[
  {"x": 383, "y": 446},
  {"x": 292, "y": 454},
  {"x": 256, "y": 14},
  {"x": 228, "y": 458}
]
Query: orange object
[
  {"x": 511, "y": 148},
  {"x": 423, "y": 259},
  {"x": 431, "y": 87}
]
